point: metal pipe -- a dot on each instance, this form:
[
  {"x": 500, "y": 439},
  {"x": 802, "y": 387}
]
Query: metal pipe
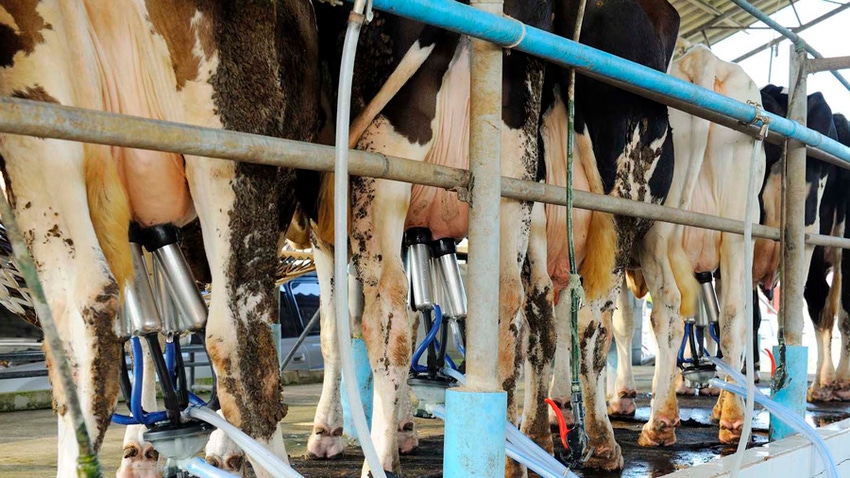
[
  {"x": 484, "y": 213},
  {"x": 476, "y": 448},
  {"x": 301, "y": 338},
  {"x": 27, "y": 117},
  {"x": 596, "y": 64},
  {"x": 181, "y": 287},
  {"x": 755, "y": 12},
  {"x": 793, "y": 274},
  {"x": 826, "y": 64}
]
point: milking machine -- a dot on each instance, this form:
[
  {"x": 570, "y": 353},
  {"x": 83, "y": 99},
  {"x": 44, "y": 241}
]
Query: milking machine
[
  {"x": 699, "y": 369},
  {"x": 173, "y": 307},
  {"x": 437, "y": 293}
]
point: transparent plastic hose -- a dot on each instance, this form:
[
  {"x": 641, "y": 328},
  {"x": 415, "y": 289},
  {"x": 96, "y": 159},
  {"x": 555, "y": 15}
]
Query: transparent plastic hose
[
  {"x": 260, "y": 454},
  {"x": 749, "y": 213},
  {"x": 790, "y": 418},
  {"x": 343, "y": 117},
  {"x": 202, "y": 469}
]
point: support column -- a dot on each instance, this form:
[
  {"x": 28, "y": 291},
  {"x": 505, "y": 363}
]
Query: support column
[
  {"x": 475, "y": 443},
  {"x": 792, "y": 376}
]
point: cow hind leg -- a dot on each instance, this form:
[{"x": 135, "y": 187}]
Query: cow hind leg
[
  {"x": 46, "y": 181},
  {"x": 140, "y": 459},
  {"x": 236, "y": 204},
  {"x": 733, "y": 331},
  {"x": 559, "y": 386},
  {"x": 622, "y": 403},
  {"x": 326, "y": 441},
  {"x": 660, "y": 430},
  {"x": 595, "y": 331},
  {"x": 540, "y": 336},
  {"x": 376, "y": 237}
]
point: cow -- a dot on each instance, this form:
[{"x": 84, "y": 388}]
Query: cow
[
  {"x": 426, "y": 118},
  {"x": 824, "y": 300},
  {"x": 711, "y": 177},
  {"x": 251, "y": 67},
  {"x": 623, "y": 148}
]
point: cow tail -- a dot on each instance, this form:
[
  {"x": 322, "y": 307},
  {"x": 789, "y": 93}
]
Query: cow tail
[
  {"x": 109, "y": 209},
  {"x": 636, "y": 283},
  {"x": 597, "y": 270},
  {"x": 683, "y": 274},
  {"x": 325, "y": 229}
]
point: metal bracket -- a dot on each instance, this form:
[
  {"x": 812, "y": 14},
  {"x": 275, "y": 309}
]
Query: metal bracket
[
  {"x": 464, "y": 193},
  {"x": 760, "y": 117}
]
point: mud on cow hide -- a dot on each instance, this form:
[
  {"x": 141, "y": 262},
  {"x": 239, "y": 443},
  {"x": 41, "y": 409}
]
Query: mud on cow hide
[
  {"x": 209, "y": 63},
  {"x": 623, "y": 148}
]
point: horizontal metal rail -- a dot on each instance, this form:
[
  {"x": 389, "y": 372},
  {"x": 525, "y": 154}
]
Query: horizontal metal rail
[
  {"x": 603, "y": 66},
  {"x": 34, "y": 118}
]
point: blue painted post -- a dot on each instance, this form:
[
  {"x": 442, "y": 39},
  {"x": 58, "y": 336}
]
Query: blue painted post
[
  {"x": 793, "y": 395},
  {"x": 481, "y": 456},
  {"x": 363, "y": 371}
]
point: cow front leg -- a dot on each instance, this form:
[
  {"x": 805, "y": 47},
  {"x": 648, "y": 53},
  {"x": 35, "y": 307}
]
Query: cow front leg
[
  {"x": 376, "y": 241},
  {"x": 595, "y": 332},
  {"x": 540, "y": 334},
  {"x": 622, "y": 403},
  {"x": 326, "y": 440},
  {"x": 236, "y": 204}
]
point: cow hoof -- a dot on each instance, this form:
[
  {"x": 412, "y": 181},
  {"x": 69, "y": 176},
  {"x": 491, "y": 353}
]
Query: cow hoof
[
  {"x": 139, "y": 461},
  {"x": 730, "y": 432},
  {"x": 710, "y": 392},
  {"x": 841, "y": 394},
  {"x": 233, "y": 463},
  {"x": 606, "y": 457},
  {"x": 323, "y": 445},
  {"x": 820, "y": 394},
  {"x": 408, "y": 441},
  {"x": 659, "y": 432},
  {"x": 622, "y": 407}
]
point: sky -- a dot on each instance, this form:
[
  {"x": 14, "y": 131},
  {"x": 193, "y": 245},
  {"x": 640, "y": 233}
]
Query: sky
[{"x": 830, "y": 37}]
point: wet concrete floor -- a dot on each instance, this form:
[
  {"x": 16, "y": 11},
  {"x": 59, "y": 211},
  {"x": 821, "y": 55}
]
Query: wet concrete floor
[{"x": 28, "y": 439}]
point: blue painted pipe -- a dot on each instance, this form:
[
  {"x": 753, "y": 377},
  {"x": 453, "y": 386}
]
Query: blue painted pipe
[
  {"x": 474, "y": 443},
  {"x": 460, "y": 18},
  {"x": 363, "y": 372},
  {"x": 793, "y": 395}
]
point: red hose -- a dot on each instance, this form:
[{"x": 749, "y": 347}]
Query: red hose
[
  {"x": 772, "y": 361},
  {"x": 562, "y": 424}
]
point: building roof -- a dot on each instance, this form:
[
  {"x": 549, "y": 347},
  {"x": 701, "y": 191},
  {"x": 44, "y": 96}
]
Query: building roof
[{"x": 709, "y": 21}]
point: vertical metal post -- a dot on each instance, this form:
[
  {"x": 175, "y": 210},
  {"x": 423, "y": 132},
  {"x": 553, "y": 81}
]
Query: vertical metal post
[
  {"x": 485, "y": 166},
  {"x": 476, "y": 447},
  {"x": 790, "y": 384}
]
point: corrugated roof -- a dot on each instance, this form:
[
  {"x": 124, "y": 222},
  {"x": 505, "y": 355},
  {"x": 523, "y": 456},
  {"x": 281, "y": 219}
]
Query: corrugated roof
[{"x": 713, "y": 20}]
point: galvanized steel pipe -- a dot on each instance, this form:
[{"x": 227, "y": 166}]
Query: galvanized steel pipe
[
  {"x": 33, "y": 118},
  {"x": 793, "y": 271}
]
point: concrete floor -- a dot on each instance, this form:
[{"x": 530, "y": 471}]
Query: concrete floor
[{"x": 28, "y": 439}]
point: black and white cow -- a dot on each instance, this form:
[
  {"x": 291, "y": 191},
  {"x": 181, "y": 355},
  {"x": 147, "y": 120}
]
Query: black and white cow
[
  {"x": 824, "y": 299},
  {"x": 427, "y": 119},
  {"x": 623, "y": 148}
]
